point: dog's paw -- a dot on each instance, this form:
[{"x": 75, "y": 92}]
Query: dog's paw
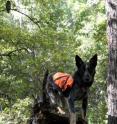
[{"x": 60, "y": 111}]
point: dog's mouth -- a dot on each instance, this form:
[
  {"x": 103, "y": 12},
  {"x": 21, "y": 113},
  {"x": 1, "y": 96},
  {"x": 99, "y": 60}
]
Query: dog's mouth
[
  {"x": 86, "y": 83},
  {"x": 86, "y": 80}
]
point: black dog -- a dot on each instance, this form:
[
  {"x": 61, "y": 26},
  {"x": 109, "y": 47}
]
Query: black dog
[{"x": 82, "y": 81}]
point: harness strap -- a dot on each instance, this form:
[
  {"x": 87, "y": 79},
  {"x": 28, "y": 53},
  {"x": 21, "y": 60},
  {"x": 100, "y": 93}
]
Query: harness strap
[
  {"x": 64, "y": 82},
  {"x": 61, "y": 77}
]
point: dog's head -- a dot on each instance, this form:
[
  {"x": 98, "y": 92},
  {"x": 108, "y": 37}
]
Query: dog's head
[{"x": 86, "y": 70}]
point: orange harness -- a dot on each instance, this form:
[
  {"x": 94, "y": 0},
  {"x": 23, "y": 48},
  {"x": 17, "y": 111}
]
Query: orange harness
[{"x": 63, "y": 80}]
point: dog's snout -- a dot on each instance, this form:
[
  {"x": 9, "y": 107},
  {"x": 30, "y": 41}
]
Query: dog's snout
[{"x": 87, "y": 77}]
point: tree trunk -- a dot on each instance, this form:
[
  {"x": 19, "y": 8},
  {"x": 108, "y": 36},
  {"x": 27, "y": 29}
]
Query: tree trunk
[{"x": 111, "y": 9}]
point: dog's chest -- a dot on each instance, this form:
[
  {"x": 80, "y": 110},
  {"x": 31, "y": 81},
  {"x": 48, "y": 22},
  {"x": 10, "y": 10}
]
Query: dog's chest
[{"x": 78, "y": 93}]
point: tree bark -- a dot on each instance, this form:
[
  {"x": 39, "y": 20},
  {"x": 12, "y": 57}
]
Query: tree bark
[{"x": 111, "y": 9}]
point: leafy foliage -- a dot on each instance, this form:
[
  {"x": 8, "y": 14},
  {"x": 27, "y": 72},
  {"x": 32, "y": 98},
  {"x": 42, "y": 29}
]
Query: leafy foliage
[{"x": 61, "y": 30}]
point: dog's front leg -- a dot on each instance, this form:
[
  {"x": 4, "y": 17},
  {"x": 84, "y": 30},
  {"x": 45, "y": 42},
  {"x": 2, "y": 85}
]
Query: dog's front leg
[
  {"x": 84, "y": 107},
  {"x": 72, "y": 118},
  {"x": 72, "y": 112}
]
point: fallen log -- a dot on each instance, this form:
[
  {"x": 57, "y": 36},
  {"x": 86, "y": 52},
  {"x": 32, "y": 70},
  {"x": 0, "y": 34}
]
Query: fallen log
[
  {"x": 51, "y": 118},
  {"x": 42, "y": 113}
]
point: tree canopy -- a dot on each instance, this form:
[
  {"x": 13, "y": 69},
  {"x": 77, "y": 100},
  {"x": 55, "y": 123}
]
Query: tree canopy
[{"x": 46, "y": 34}]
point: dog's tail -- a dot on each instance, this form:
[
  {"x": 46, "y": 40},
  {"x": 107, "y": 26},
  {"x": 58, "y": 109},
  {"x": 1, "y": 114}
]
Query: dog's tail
[{"x": 44, "y": 86}]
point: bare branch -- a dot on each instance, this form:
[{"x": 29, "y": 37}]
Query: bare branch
[{"x": 32, "y": 19}]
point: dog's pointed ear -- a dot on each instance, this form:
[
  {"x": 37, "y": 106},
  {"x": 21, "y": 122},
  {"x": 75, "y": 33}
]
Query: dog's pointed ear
[
  {"x": 93, "y": 61},
  {"x": 78, "y": 60}
]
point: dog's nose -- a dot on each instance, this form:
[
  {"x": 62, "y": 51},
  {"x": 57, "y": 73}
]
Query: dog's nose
[{"x": 86, "y": 79}]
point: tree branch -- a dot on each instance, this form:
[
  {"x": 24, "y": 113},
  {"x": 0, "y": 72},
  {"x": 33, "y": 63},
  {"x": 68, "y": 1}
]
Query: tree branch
[
  {"x": 11, "y": 52},
  {"x": 32, "y": 19}
]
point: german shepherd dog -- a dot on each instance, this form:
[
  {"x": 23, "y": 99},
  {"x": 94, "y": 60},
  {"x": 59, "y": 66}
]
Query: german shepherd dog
[{"x": 82, "y": 80}]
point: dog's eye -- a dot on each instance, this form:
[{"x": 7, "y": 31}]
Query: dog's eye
[
  {"x": 83, "y": 68},
  {"x": 90, "y": 70}
]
